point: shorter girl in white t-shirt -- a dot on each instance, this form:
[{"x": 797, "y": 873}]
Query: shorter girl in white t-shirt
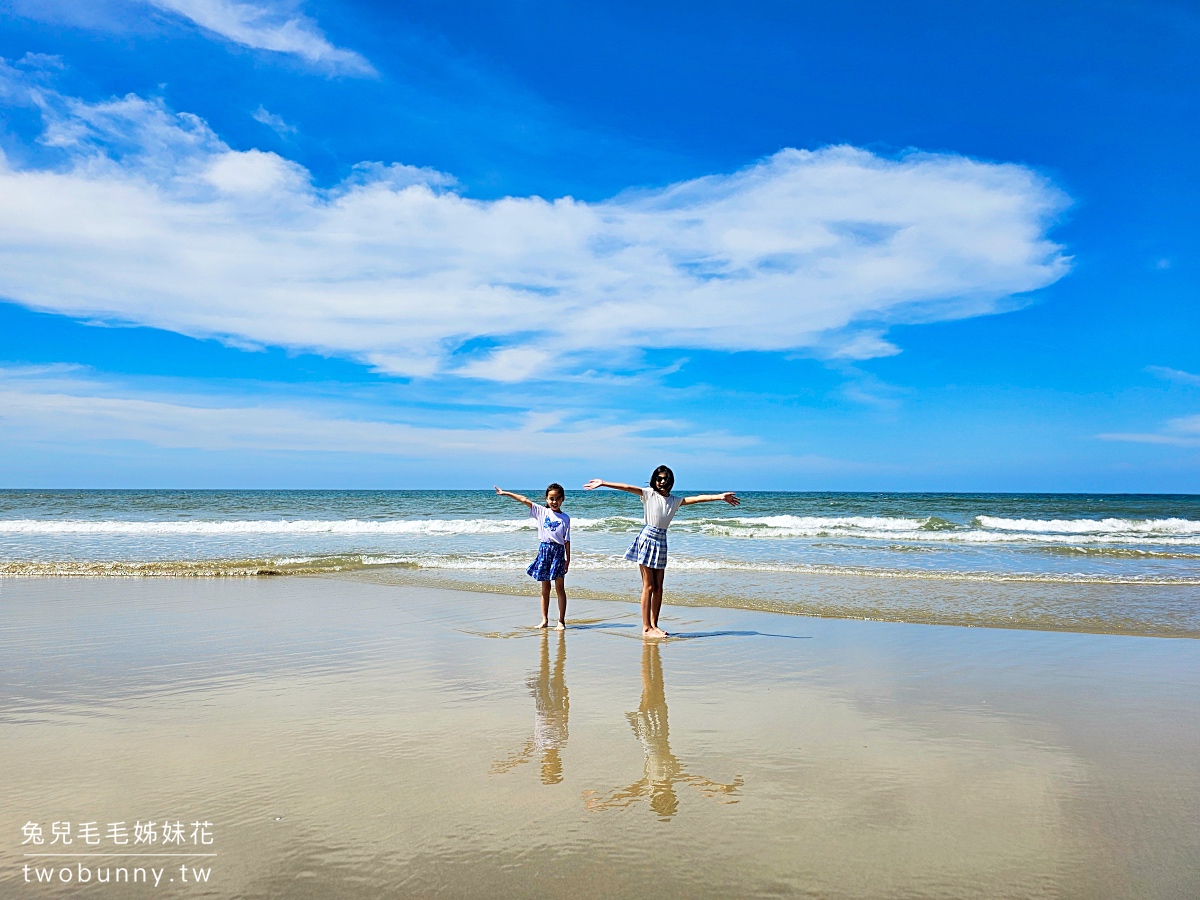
[
  {"x": 554, "y": 549},
  {"x": 649, "y": 549}
]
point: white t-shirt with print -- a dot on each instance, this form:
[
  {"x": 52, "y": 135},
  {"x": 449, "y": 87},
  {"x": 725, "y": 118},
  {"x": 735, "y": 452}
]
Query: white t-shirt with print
[
  {"x": 660, "y": 510},
  {"x": 552, "y": 526}
]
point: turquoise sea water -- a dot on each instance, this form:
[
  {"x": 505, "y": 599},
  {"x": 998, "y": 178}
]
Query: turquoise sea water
[{"x": 1090, "y": 562}]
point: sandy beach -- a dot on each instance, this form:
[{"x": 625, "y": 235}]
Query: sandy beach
[
  {"x": 860, "y": 338},
  {"x": 351, "y": 739}
]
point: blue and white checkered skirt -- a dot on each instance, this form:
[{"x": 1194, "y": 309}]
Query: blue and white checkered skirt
[
  {"x": 649, "y": 548},
  {"x": 551, "y": 562}
]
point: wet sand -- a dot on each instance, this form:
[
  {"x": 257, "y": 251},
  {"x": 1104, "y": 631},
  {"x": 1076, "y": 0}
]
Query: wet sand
[{"x": 349, "y": 739}]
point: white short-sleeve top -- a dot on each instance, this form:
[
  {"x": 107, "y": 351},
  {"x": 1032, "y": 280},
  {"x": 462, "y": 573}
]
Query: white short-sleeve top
[
  {"x": 552, "y": 526},
  {"x": 660, "y": 510}
]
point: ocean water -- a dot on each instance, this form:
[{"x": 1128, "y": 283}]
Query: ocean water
[{"x": 1116, "y": 563}]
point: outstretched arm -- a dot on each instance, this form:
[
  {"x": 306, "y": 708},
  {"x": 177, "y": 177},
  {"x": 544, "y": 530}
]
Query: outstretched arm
[
  {"x": 615, "y": 485},
  {"x": 501, "y": 766},
  {"x": 729, "y": 497},
  {"x": 711, "y": 788},
  {"x": 517, "y": 497},
  {"x": 618, "y": 799}
]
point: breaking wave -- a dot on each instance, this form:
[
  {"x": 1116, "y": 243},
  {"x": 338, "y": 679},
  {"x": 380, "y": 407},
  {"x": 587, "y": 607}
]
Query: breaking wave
[
  {"x": 1122, "y": 527},
  {"x": 932, "y": 528},
  {"x": 266, "y": 526}
]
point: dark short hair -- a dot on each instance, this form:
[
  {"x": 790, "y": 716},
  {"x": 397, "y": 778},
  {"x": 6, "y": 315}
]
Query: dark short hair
[
  {"x": 555, "y": 486},
  {"x": 663, "y": 470}
]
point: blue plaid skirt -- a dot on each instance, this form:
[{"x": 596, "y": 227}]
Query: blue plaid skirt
[
  {"x": 649, "y": 548},
  {"x": 551, "y": 562}
]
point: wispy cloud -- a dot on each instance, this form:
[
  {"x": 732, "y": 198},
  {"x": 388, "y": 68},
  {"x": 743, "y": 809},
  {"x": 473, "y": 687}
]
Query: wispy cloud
[
  {"x": 864, "y": 345},
  {"x": 274, "y": 122},
  {"x": 70, "y": 404},
  {"x": 509, "y": 364},
  {"x": 265, "y": 26},
  {"x": 154, "y": 220},
  {"x": 1183, "y": 431},
  {"x": 1175, "y": 375},
  {"x": 865, "y": 389}
]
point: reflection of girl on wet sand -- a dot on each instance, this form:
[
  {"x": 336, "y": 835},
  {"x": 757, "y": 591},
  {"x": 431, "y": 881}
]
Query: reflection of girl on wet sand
[
  {"x": 552, "y": 705},
  {"x": 663, "y": 770}
]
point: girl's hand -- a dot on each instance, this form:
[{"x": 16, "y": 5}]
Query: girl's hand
[
  {"x": 731, "y": 498},
  {"x": 593, "y": 484},
  {"x": 498, "y": 491}
]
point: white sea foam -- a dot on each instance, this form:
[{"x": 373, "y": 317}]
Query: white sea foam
[
  {"x": 433, "y": 527},
  {"x": 821, "y": 523},
  {"x": 775, "y": 526},
  {"x": 801, "y": 526},
  {"x": 597, "y": 562},
  {"x": 985, "y": 530},
  {"x": 1169, "y": 527},
  {"x": 512, "y": 563},
  {"x": 893, "y": 529},
  {"x": 268, "y": 526}
]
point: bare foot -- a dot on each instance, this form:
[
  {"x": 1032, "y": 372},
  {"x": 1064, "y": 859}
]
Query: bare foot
[
  {"x": 653, "y": 633},
  {"x": 561, "y": 626},
  {"x": 543, "y": 623}
]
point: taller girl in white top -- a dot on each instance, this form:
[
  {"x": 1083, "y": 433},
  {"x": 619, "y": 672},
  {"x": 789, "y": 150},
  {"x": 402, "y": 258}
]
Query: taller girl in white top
[{"x": 649, "y": 549}]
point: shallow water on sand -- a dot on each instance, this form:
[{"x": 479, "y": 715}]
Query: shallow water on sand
[
  {"x": 349, "y": 739},
  {"x": 1100, "y": 563}
]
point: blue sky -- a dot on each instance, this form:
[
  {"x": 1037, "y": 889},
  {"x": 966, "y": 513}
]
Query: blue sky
[{"x": 852, "y": 246}]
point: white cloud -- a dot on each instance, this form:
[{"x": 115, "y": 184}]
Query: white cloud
[
  {"x": 510, "y": 364},
  {"x": 274, "y": 122},
  {"x": 70, "y": 405},
  {"x": 1187, "y": 425},
  {"x": 252, "y": 172},
  {"x": 1176, "y": 375},
  {"x": 154, "y": 220},
  {"x": 864, "y": 345},
  {"x": 268, "y": 27},
  {"x": 1183, "y": 431}
]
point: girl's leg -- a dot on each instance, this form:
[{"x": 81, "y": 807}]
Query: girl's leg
[
  {"x": 656, "y": 598},
  {"x": 647, "y": 593},
  {"x": 560, "y": 588},
  {"x": 545, "y": 603}
]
